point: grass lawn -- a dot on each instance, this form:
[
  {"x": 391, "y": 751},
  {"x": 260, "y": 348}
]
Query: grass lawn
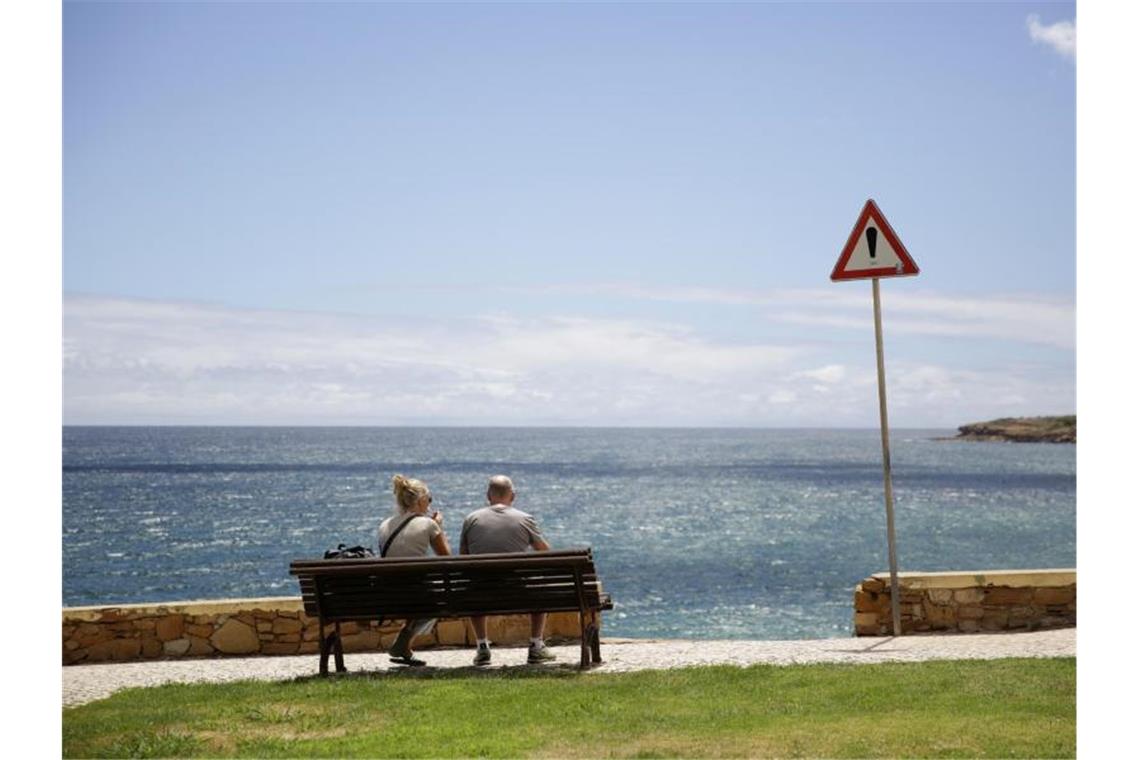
[{"x": 999, "y": 708}]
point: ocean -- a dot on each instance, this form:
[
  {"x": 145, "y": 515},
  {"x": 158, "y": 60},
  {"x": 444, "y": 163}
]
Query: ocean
[{"x": 697, "y": 533}]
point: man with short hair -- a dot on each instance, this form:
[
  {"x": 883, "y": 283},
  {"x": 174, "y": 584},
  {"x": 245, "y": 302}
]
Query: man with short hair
[{"x": 499, "y": 527}]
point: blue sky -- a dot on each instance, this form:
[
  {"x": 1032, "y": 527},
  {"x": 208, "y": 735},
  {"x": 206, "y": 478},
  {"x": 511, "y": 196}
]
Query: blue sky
[{"x": 563, "y": 214}]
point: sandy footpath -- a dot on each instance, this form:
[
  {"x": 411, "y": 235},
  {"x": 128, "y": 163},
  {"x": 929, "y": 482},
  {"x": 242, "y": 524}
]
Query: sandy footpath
[{"x": 84, "y": 683}]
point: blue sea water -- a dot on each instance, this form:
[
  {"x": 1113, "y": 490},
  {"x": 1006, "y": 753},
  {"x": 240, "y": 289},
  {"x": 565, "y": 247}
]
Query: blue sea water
[{"x": 726, "y": 533}]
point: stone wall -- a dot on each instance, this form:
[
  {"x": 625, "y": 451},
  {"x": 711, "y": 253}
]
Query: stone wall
[
  {"x": 250, "y": 627},
  {"x": 986, "y": 600}
]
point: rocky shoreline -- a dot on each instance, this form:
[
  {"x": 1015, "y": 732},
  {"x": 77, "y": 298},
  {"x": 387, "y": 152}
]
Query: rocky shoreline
[{"x": 1062, "y": 429}]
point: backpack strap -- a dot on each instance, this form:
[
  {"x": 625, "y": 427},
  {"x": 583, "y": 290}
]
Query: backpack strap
[{"x": 393, "y": 534}]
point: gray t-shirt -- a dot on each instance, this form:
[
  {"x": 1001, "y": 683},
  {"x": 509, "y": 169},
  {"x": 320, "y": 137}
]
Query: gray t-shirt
[
  {"x": 498, "y": 528},
  {"x": 412, "y": 541}
]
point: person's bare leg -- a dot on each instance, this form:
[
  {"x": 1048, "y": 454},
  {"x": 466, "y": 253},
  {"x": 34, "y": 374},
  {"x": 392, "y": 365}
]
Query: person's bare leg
[
  {"x": 482, "y": 650},
  {"x": 537, "y": 625},
  {"x": 537, "y": 653}
]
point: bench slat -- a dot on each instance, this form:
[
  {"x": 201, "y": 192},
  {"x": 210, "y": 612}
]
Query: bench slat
[
  {"x": 451, "y": 558},
  {"x": 402, "y": 576},
  {"x": 330, "y": 600},
  {"x": 448, "y": 596},
  {"x": 334, "y": 598},
  {"x": 461, "y": 581},
  {"x": 398, "y": 568},
  {"x": 404, "y": 612}
]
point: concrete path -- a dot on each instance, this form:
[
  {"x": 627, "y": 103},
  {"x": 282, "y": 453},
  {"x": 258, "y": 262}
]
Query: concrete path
[{"x": 85, "y": 683}]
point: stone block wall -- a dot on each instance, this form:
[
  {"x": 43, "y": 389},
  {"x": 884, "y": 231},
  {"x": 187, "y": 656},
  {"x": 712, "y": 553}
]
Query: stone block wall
[
  {"x": 981, "y": 601},
  {"x": 252, "y": 627}
]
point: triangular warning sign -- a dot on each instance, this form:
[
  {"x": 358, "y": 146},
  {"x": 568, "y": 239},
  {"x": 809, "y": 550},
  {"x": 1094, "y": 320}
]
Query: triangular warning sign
[{"x": 873, "y": 250}]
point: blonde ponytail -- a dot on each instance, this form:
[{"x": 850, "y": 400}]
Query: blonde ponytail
[{"x": 408, "y": 492}]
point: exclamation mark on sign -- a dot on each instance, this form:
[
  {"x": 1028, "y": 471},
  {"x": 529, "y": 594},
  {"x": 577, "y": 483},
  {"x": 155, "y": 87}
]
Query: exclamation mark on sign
[{"x": 872, "y": 238}]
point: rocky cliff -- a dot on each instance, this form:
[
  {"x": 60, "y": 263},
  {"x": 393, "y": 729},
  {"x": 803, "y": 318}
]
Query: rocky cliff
[{"x": 1022, "y": 430}]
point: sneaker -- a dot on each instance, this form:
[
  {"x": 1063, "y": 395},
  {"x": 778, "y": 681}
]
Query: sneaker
[
  {"x": 407, "y": 659},
  {"x": 483, "y": 655},
  {"x": 537, "y": 655}
]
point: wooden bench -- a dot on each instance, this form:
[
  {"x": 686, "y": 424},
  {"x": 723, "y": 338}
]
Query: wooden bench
[{"x": 336, "y": 591}]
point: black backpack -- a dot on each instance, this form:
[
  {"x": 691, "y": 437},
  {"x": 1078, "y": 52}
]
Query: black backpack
[{"x": 351, "y": 552}]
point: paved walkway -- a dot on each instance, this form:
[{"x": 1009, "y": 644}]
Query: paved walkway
[{"x": 85, "y": 683}]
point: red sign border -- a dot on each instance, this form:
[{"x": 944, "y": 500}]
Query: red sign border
[{"x": 871, "y": 210}]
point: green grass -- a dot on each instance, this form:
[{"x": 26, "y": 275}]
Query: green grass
[{"x": 999, "y": 708}]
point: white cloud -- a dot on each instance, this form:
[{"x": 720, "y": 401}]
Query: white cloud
[
  {"x": 832, "y": 373},
  {"x": 636, "y": 291},
  {"x": 1019, "y": 318},
  {"x": 654, "y": 348},
  {"x": 128, "y": 360},
  {"x": 153, "y": 362},
  {"x": 1061, "y": 36},
  {"x": 1040, "y": 320},
  {"x": 781, "y": 397},
  {"x": 924, "y": 394}
]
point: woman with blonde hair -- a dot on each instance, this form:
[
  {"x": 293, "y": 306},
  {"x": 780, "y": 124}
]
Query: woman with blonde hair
[{"x": 411, "y": 532}]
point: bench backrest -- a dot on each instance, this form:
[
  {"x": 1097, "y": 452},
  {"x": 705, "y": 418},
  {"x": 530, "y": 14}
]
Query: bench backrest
[{"x": 358, "y": 589}]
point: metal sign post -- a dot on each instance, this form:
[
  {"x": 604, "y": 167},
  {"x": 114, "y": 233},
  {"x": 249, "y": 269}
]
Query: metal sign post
[
  {"x": 874, "y": 251},
  {"x": 888, "y": 492}
]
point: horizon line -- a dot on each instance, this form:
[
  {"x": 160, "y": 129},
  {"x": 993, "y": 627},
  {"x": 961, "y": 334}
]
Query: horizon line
[{"x": 528, "y": 427}]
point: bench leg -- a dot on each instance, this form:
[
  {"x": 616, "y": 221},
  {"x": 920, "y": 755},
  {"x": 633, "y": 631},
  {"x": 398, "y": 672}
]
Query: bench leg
[
  {"x": 326, "y": 646},
  {"x": 585, "y": 629},
  {"x": 589, "y": 637},
  {"x": 339, "y": 651},
  {"x": 591, "y": 646},
  {"x": 595, "y": 640},
  {"x": 331, "y": 644}
]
